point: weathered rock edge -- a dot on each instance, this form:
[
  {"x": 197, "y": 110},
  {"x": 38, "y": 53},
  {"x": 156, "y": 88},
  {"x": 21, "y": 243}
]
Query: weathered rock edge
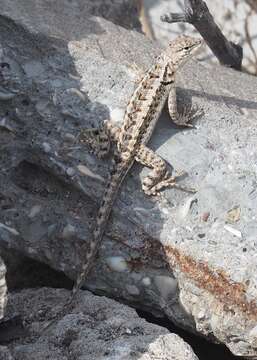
[
  {"x": 96, "y": 328},
  {"x": 191, "y": 257}
]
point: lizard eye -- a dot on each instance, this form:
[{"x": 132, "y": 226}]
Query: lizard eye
[{"x": 186, "y": 48}]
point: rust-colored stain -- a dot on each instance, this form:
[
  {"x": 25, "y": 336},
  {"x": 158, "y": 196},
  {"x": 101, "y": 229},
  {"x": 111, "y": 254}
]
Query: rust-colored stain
[{"x": 230, "y": 294}]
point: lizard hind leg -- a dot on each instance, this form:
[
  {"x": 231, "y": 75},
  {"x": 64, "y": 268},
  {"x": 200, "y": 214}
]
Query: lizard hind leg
[
  {"x": 99, "y": 139},
  {"x": 148, "y": 158},
  {"x": 159, "y": 178}
]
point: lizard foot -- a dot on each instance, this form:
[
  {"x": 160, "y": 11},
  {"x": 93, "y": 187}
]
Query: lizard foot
[
  {"x": 188, "y": 115},
  {"x": 169, "y": 182}
]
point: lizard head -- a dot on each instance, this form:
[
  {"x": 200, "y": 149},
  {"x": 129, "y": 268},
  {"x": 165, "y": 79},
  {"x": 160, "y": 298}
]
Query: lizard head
[{"x": 182, "y": 49}]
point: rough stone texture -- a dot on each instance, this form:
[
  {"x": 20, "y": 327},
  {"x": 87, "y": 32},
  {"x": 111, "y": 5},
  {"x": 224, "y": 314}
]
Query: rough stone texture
[
  {"x": 190, "y": 257},
  {"x": 35, "y": 12},
  {"x": 3, "y": 288},
  {"x": 237, "y": 19},
  {"x": 5, "y": 353},
  {"x": 96, "y": 328}
]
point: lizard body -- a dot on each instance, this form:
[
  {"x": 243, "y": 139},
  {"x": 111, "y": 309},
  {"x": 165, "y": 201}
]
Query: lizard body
[{"x": 141, "y": 116}]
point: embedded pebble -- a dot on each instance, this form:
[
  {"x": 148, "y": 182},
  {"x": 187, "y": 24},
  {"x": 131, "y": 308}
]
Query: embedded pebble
[
  {"x": 184, "y": 209},
  {"x": 41, "y": 106},
  {"x": 34, "y": 211},
  {"x": 166, "y": 285},
  {"x": 70, "y": 171},
  {"x": 128, "y": 331},
  {"x": 86, "y": 171},
  {"x": 253, "y": 332},
  {"x": 233, "y": 231},
  {"x": 133, "y": 290},
  {"x": 69, "y": 137},
  {"x": 68, "y": 231},
  {"x": 11, "y": 230},
  {"x": 117, "y": 115},
  {"x": 31, "y": 251},
  {"x": 205, "y": 216},
  {"x": 5, "y": 125},
  {"x": 46, "y": 147},
  {"x": 200, "y": 315},
  {"x": 77, "y": 92},
  {"x": 117, "y": 263},
  {"x": 233, "y": 215},
  {"x": 146, "y": 281}
]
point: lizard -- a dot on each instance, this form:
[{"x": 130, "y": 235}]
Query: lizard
[{"x": 141, "y": 115}]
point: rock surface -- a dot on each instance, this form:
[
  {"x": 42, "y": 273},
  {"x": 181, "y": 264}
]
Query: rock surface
[
  {"x": 5, "y": 353},
  {"x": 96, "y": 328},
  {"x": 40, "y": 16},
  {"x": 3, "y": 288},
  {"x": 189, "y": 257}
]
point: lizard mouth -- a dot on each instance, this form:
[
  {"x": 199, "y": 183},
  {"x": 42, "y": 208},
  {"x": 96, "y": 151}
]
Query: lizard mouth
[{"x": 197, "y": 47}]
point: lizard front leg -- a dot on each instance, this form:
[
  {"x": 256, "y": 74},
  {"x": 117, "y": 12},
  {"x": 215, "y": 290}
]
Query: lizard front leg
[
  {"x": 99, "y": 139},
  {"x": 189, "y": 112},
  {"x": 159, "y": 178},
  {"x": 180, "y": 118}
]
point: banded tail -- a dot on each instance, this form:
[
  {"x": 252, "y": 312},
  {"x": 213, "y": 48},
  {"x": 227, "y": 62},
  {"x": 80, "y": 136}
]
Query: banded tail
[{"x": 112, "y": 188}]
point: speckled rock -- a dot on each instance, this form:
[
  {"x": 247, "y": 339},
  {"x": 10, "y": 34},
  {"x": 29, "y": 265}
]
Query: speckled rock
[
  {"x": 3, "y": 288},
  {"x": 96, "y": 328},
  {"x": 34, "y": 14},
  {"x": 190, "y": 257},
  {"x": 5, "y": 353}
]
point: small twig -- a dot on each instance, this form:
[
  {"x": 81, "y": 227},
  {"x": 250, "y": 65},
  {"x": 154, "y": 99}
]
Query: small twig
[
  {"x": 248, "y": 39},
  {"x": 144, "y": 18},
  {"x": 252, "y": 4},
  {"x": 174, "y": 17},
  {"x": 197, "y": 13}
]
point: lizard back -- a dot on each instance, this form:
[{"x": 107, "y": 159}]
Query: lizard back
[{"x": 145, "y": 106}]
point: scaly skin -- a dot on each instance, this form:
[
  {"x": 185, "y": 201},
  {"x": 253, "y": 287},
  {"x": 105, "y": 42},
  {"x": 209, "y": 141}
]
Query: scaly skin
[{"x": 141, "y": 116}]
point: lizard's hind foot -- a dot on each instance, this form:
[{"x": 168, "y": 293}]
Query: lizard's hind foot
[
  {"x": 169, "y": 182},
  {"x": 159, "y": 177},
  {"x": 99, "y": 139}
]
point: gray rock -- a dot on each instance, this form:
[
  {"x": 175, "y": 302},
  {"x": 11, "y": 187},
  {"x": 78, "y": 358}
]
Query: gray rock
[
  {"x": 3, "y": 288},
  {"x": 96, "y": 328},
  {"x": 40, "y": 17},
  {"x": 5, "y": 353},
  {"x": 189, "y": 257}
]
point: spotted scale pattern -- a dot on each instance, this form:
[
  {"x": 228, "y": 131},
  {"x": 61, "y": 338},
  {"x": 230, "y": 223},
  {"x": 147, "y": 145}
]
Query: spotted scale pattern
[{"x": 141, "y": 116}]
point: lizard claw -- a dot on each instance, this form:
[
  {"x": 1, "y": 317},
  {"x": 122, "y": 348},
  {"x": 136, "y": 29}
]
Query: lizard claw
[{"x": 188, "y": 115}]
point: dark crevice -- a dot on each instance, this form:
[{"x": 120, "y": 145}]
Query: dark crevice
[
  {"x": 24, "y": 273},
  {"x": 204, "y": 349}
]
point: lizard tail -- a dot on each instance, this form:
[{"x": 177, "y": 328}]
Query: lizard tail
[{"x": 118, "y": 173}]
